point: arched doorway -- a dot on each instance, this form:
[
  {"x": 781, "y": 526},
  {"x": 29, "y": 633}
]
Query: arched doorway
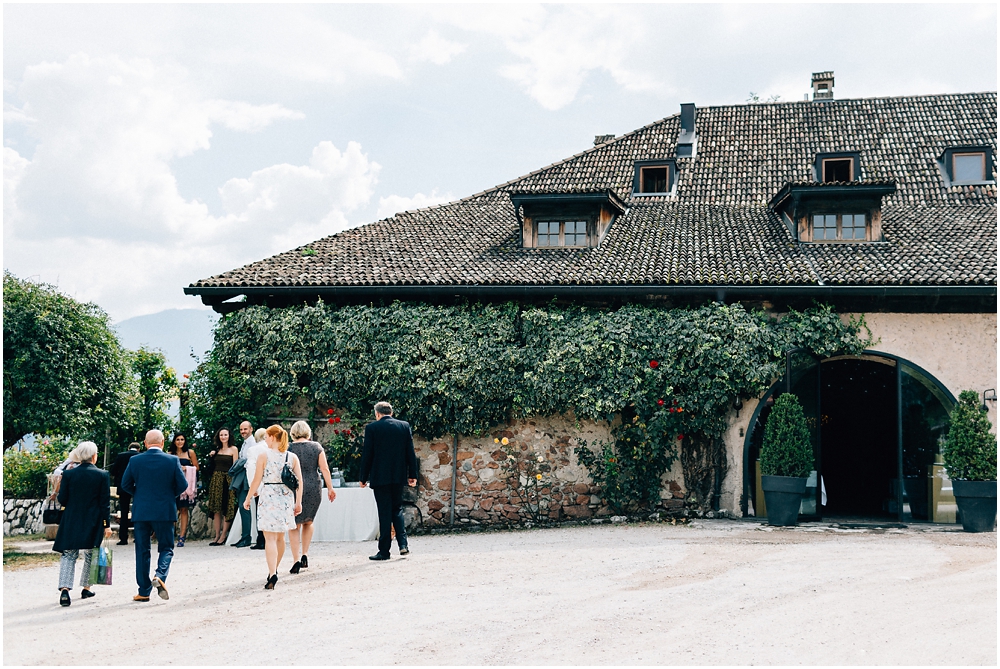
[{"x": 875, "y": 419}]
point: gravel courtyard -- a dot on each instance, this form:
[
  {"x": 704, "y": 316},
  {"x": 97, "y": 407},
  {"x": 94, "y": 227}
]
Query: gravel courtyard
[{"x": 714, "y": 592}]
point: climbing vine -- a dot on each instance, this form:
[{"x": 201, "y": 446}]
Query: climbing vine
[{"x": 660, "y": 373}]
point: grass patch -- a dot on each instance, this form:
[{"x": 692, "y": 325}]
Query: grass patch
[{"x": 15, "y": 558}]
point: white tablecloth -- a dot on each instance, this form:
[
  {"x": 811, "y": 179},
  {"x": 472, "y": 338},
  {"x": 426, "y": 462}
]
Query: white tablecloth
[{"x": 353, "y": 516}]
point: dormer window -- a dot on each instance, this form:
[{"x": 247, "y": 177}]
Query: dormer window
[
  {"x": 654, "y": 177},
  {"x": 565, "y": 220},
  {"x": 833, "y": 212},
  {"x": 837, "y": 167},
  {"x": 967, "y": 165}
]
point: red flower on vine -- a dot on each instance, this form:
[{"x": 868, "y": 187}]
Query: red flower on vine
[
  {"x": 654, "y": 364},
  {"x": 336, "y": 419},
  {"x": 347, "y": 431},
  {"x": 330, "y": 421},
  {"x": 329, "y": 412},
  {"x": 336, "y": 431},
  {"x": 672, "y": 410},
  {"x": 660, "y": 402},
  {"x": 680, "y": 437}
]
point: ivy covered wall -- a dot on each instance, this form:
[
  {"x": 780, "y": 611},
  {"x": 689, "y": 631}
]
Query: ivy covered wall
[{"x": 667, "y": 378}]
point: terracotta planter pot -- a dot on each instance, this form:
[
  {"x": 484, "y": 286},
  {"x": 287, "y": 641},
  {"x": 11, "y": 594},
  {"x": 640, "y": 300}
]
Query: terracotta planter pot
[
  {"x": 783, "y": 496},
  {"x": 977, "y": 502}
]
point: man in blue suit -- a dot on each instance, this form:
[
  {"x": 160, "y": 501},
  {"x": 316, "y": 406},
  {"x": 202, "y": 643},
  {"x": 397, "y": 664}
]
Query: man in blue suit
[{"x": 154, "y": 479}]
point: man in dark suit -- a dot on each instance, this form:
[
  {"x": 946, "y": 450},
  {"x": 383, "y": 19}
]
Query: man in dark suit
[
  {"x": 388, "y": 463},
  {"x": 154, "y": 479},
  {"x": 124, "y": 499}
]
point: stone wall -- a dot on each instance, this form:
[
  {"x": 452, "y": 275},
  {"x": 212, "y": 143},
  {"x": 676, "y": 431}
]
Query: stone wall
[{"x": 22, "y": 516}]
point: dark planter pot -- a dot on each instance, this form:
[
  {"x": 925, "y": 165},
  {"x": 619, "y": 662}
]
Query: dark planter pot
[
  {"x": 916, "y": 494},
  {"x": 977, "y": 503},
  {"x": 783, "y": 496}
]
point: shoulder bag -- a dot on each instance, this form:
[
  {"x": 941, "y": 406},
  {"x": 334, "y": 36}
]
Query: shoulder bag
[
  {"x": 288, "y": 476},
  {"x": 52, "y": 513}
]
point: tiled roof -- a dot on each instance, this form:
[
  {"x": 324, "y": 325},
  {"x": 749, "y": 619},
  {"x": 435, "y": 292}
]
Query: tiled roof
[{"x": 717, "y": 228}]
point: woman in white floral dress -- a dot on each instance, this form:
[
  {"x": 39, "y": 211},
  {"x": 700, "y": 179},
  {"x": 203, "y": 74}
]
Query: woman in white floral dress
[{"x": 277, "y": 504}]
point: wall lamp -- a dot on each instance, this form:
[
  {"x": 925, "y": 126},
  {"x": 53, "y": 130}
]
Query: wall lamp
[{"x": 989, "y": 395}]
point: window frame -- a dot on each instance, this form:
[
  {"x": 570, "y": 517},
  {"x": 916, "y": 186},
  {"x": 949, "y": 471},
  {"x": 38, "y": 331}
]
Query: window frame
[
  {"x": 821, "y": 158},
  {"x": 641, "y": 165},
  {"x": 562, "y": 220},
  {"x": 946, "y": 163},
  {"x": 982, "y": 161},
  {"x": 840, "y": 227}
]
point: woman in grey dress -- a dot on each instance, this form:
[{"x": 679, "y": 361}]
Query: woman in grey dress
[{"x": 313, "y": 461}]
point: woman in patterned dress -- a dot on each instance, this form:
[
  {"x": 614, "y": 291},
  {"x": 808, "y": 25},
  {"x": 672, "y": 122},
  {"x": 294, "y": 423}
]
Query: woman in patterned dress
[
  {"x": 221, "y": 501},
  {"x": 312, "y": 459},
  {"x": 277, "y": 504}
]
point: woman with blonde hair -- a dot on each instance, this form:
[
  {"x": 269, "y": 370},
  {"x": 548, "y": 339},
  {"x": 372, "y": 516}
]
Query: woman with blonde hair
[
  {"x": 312, "y": 460},
  {"x": 278, "y": 504}
]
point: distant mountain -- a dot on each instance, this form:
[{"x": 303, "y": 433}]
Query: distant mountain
[{"x": 176, "y": 332}]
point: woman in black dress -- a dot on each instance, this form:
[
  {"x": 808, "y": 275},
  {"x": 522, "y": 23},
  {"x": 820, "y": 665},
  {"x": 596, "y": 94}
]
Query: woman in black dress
[
  {"x": 313, "y": 462},
  {"x": 180, "y": 448},
  {"x": 221, "y": 500}
]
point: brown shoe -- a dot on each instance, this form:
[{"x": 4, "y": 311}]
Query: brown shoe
[
  {"x": 140, "y": 598},
  {"x": 161, "y": 588}
]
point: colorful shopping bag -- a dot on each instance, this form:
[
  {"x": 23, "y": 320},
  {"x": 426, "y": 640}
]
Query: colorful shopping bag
[{"x": 100, "y": 564}]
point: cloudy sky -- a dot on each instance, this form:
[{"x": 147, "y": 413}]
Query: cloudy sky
[{"x": 148, "y": 146}]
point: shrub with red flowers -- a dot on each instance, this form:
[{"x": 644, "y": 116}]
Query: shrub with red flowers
[{"x": 343, "y": 449}]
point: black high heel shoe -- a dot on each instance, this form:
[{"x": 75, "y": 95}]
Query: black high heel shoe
[
  {"x": 295, "y": 568},
  {"x": 304, "y": 561},
  {"x": 271, "y": 580}
]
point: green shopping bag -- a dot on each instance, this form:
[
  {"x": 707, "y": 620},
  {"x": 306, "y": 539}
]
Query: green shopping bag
[{"x": 100, "y": 564}]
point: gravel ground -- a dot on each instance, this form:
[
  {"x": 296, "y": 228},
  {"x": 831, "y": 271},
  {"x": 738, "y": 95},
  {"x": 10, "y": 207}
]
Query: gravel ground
[{"x": 714, "y": 592}]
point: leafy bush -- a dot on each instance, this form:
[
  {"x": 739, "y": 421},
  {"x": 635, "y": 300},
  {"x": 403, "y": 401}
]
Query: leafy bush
[
  {"x": 786, "y": 450},
  {"x": 466, "y": 368},
  {"x": 25, "y": 474},
  {"x": 970, "y": 452}
]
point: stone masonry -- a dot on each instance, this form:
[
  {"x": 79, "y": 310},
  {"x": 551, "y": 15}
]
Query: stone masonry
[{"x": 22, "y": 516}]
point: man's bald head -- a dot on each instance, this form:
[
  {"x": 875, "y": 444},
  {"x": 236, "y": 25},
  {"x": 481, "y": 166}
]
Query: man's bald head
[
  {"x": 154, "y": 438},
  {"x": 246, "y": 429}
]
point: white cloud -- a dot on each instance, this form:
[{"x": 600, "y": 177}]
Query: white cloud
[
  {"x": 393, "y": 204},
  {"x": 435, "y": 49},
  {"x": 99, "y": 191}
]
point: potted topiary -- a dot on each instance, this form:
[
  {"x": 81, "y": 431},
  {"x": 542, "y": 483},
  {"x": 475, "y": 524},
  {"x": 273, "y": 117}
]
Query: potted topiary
[
  {"x": 786, "y": 458},
  {"x": 970, "y": 456}
]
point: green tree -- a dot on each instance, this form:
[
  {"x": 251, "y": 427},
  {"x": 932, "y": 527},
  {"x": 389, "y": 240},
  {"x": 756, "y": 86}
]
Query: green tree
[
  {"x": 64, "y": 371},
  {"x": 970, "y": 453},
  {"x": 156, "y": 387},
  {"x": 786, "y": 449}
]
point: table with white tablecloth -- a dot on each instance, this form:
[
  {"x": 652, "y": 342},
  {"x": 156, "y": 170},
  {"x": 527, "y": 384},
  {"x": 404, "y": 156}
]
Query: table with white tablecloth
[{"x": 353, "y": 516}]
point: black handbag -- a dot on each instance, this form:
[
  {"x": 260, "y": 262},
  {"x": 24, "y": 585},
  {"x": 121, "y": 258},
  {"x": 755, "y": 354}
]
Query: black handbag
[
  {"x": 52, "y": 513},
  {"x": 288, "y": 476}
]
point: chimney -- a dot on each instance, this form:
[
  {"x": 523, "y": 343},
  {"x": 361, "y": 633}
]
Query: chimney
[
  {"x": 687, "y": 139},
  {"x": 822, "y": 86},
  {"x": 602, "y": 139}
]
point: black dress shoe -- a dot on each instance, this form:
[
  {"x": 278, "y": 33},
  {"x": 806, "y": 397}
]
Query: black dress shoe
[
  {"x": 86, "y": 594},
  {"x": 305, "y": 562},
  {"x": 123, "y": 542},
  {"x": 404, "y": 550},
  {"x": 242, "y": 543},
  {"x": 271, "y": 580},
  {"x": 64, "y": 598},
  {"x": 257, "y": 547},
  {"x": 378, "y": 556},
  {"x": 295, "y": 568}
]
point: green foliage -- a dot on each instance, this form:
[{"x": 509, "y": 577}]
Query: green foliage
[
  {"x": 25, "y": 474},
  {"x": 465, "y": 369},
  {"x": 64, "y": 370},
  {"x": 970, "y": 453},
  {"x": 786, "y": 449},
  {"x": 157, "y": 385}
]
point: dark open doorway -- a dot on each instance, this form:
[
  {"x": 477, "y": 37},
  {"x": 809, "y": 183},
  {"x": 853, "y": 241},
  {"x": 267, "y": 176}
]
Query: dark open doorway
[{"x": 859, "y": 460}]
